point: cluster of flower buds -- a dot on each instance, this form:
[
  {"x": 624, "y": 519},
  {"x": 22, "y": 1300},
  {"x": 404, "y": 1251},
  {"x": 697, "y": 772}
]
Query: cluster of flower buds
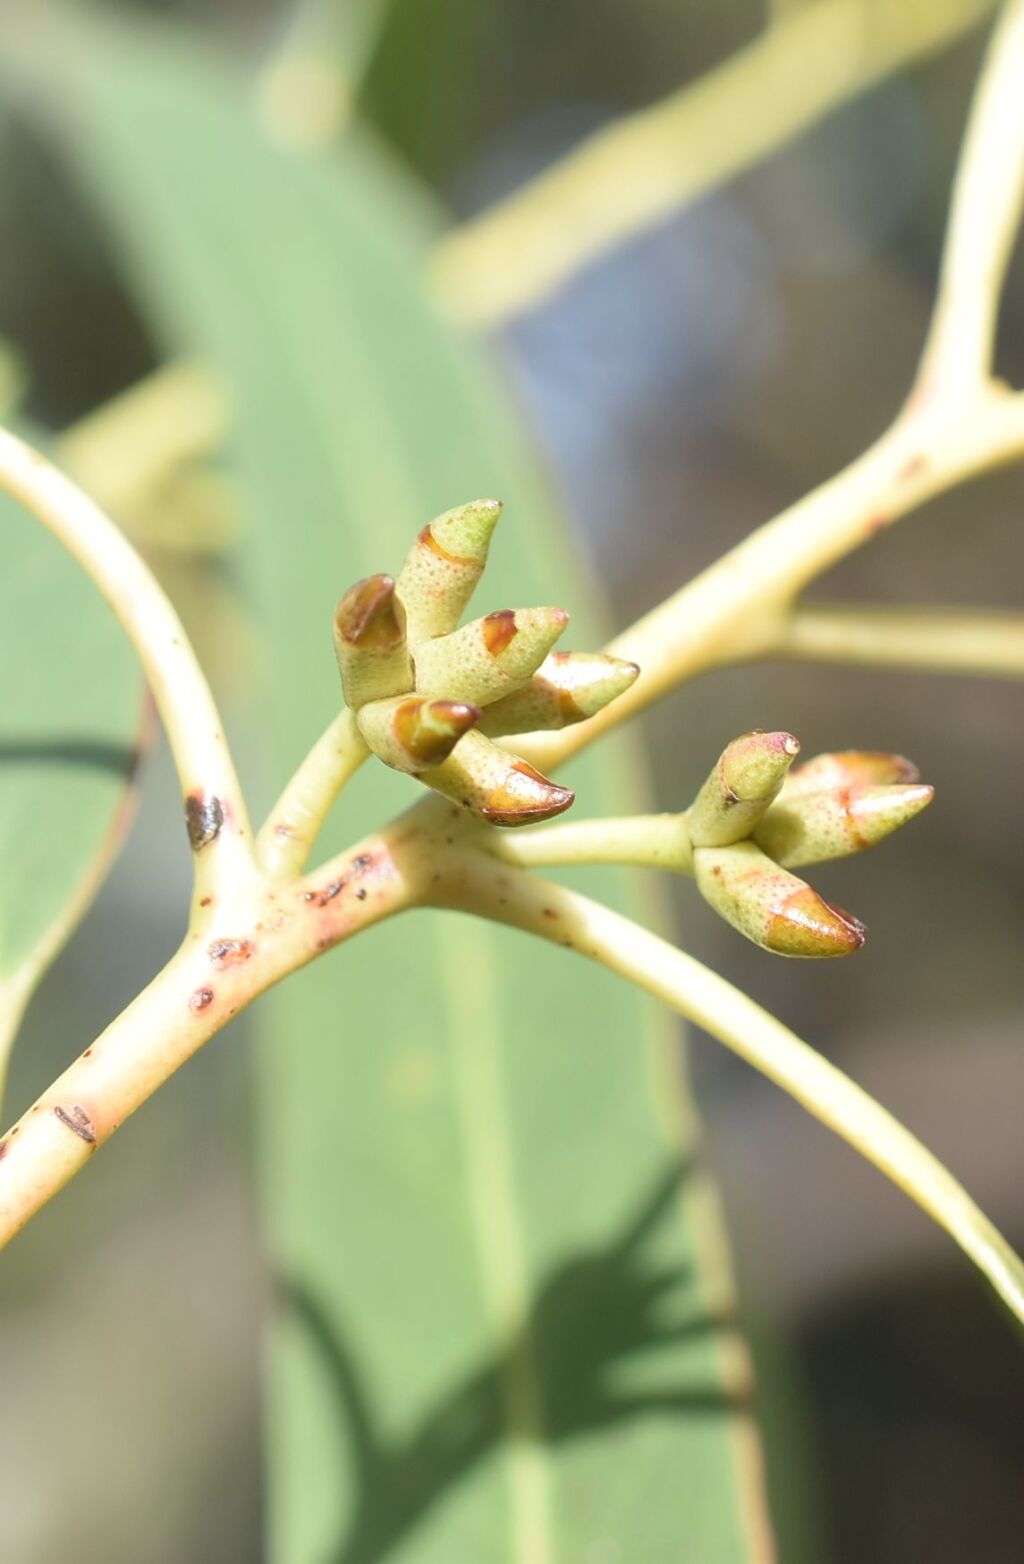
[
  {"x": 430, "y": 698},
  {"x": 754, "y": 821}
]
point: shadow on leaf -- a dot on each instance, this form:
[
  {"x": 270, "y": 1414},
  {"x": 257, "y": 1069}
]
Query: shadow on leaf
[{"x": 587, "y": 1325}]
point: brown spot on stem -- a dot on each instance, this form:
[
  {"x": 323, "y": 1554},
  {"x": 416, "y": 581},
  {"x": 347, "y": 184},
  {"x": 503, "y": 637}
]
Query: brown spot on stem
[
  {"x": 230, "y": 952},
  {"x": 499, "y": 628},
  {"x": 912, "y": 467},
  {"x": 206, "y": 901},
  {"x": 204, "y": 817},
  {"x": 87, "y": 1054},
  {"x": 200, "y": 999},
  {"x": 361, "y": 893},
  {"x": 78, "y": 1122},
  {"x": 3, "y": 1149}
]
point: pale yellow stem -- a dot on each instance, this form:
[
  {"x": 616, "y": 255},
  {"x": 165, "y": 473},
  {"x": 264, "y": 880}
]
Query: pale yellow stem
[
  {"x": 253, "y": 934},
  {"x": 217, "y": 812},
  {"x": 472, "y": 884},
  {"x": 946, "y": 640},
  {"x": 984, "y": 217},
  {"x": 737, "y": 608},
  {"x": 293, "y": 825},
  {"x": 642, "y": 169},
  {"x": 641, "y": 841}
]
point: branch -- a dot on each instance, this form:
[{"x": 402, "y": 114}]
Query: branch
[
  {"x": 214, "y": 804},
  {"x": 737, "y": 609},
  {"x": 642, "y": 169},
  {"x": 293, "y": 825},
  {"x": 948, "y": 640},
  {"x": 957, "y": 422},
  {"x": 261, "y": 931},
  {"x": 474, "y": 882}
]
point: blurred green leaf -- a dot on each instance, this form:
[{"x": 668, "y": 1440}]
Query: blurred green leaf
[
  {"x": 70, "y": 708},
  {"x": 497, "y": 1335}
]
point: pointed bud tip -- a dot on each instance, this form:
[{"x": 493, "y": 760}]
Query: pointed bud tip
[
  {"x": 519, "y": 639},
  {"x": 465, "y": 533},
  {"x": 367, "y": 615},
  {"x": 526, "y": 798},
  {"x": 807, "y": 925}
]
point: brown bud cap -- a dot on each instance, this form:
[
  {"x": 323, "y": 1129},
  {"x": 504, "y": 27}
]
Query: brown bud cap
[
  {"x": 443, "y": 567},
  {"x": 772, "y": 907},
  {"x": 567, "y": 688},
  {"x": 741, "y": 788},
  {"x": 849, "y": 768},
  {"x": 489, "y": 657},
  {"x": 369, "y": 642},
  {"x": 495, "y": 786},
  {"x": 816, "y": 827},
  {"x": 412, "y": 734}
]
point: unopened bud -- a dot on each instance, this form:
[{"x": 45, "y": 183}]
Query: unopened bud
[
  {"x": 489, "y": 657},
  {"x": 741, "y": 788},
  {"x": 567, "y": 687},
  {"x": 495, "y": 786},
  {"x": 849, "y": 768},
  {"x": 412, "y": 734},
  {"x": 443, "y": 567},
  {"x": 370, "y": 644},
  {"x": 772, "y": 907},
  {"x": 816, "y": 827}
]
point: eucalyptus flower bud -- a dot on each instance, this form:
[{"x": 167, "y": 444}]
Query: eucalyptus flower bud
[
  {"x": 413, "y": 734},
  {"x": 443, "y": 567},
  {"x": 370, "y": 643},
  {"x": 740, "y": 790},
  {"x": 815, "y": 827},
  {"x": 849, "y": 768},
  {"x": 771, "y": 906},
  {"x": 489, "y": 657},
  {"x": 495, "y": 786},
  {"x": 567, "y": 687}
]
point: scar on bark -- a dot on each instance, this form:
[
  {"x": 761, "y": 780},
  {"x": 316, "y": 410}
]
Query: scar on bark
[
  {"x": 230, "y": 952},
  {"x": 200, "y": 999},
  {"x": 78, "y": 1122},
  {"x": 204, "y": 817}
]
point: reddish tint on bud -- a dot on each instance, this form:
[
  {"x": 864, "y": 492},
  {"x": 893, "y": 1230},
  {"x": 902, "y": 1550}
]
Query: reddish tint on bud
[
  {"x": 413, "y": 734},
  {"x": 369, "y": 642},
  {"x": 814, "y": 827},
  {"x": 495, "y": 786},
  {"x": 489, "y": 657},
  {"x": 771, "y": 906},
  {"x": 746, "y": 780},
  {"x": 443, "y": 567},
  {"x": 568, "y": 687},
  {"x": 849, "y": 768}
]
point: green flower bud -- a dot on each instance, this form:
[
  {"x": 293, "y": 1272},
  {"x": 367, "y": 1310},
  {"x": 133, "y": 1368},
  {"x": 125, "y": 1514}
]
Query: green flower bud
[
  {"x": 489, "y": 657},
  {"x": 815, "y": 827},
  {"x": 567, "y": 688},
  {"x": 849, "y": 768},
  {"x": 412, "y": 734},
  {"x": 772, "y": 907},
  {"x": 443, "y": 567},
  {"x": 495, "y": 786},
  {"x": 370, "y": 644},
  {"x": 741, "y": 788}
]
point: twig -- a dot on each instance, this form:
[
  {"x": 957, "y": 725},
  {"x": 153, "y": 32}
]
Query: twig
[
  {"x": 946, "y": 640},
  {"x": 474, "y": 882},
  {"x": 646, "y": 167}
]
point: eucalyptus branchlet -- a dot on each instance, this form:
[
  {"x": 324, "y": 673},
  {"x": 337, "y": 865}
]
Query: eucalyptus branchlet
[{"x": 419, "y": 685}]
